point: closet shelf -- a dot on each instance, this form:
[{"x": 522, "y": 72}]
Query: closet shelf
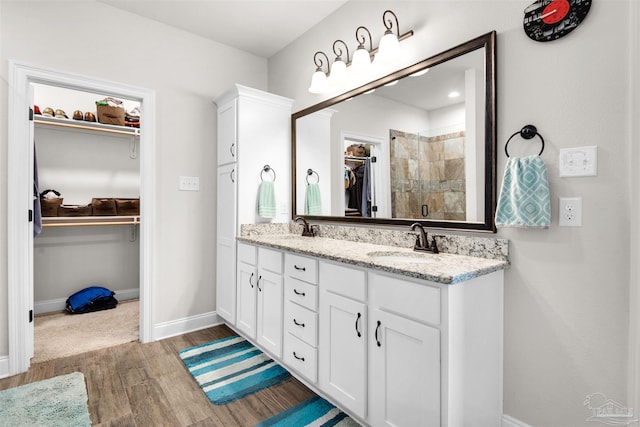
[
  {"x": 90, "y": 126},
  {"x": 79, "y": 221}
]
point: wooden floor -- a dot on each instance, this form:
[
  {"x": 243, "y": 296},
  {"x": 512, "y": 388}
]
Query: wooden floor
[{"x": 147, "y": 385}]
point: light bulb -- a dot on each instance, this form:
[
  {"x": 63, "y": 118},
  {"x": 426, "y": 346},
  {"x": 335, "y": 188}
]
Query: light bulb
[
  {"x": 319, "y": 83},
  {"x": 338, "y": 74},
  {"x": 361, "y": 61},
  {"x": 389, "y": 49}
]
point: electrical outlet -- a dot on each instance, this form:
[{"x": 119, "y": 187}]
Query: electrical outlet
[
  {"x": 189, "y": 183},
  {"x": 570, "y": 212}
]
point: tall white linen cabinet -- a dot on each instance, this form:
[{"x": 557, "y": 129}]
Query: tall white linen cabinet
[{"x": 254, "y": 139}]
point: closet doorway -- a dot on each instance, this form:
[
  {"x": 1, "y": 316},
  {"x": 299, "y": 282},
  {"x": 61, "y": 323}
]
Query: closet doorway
[
  {"x": 23, "y": 79},
  {"x": 366, "y": 175}
]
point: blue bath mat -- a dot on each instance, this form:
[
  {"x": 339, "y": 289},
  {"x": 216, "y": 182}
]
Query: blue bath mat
[
  {"x": 314, "y": 411},
  {"x": 231, "y": 368}
]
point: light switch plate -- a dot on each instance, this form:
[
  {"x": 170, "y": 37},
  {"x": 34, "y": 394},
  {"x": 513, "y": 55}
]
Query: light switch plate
[
  {"x": 189, "y": 183},
  {"x": 579, "y": 161}
]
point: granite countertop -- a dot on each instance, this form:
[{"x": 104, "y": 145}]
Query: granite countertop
[{"x": 443, "y": 268}]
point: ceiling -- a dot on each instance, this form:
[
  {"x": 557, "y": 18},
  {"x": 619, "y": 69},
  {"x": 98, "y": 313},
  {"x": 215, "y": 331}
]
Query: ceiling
[{"x": 261, "y": 27}]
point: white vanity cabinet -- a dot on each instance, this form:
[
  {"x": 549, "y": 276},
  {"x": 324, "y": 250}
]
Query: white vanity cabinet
[
  {"x": 390, "y": 350},
  {"x": 247, "y": 293},
  {"x": 343, "y": 336},
  {"x": 253, "y": 132},
  {"x": 404, "y": 352},
  {"x": 301, "y": 315},
  {"x": 270, "y": 303},
  {"x": 259, "y": 296}
]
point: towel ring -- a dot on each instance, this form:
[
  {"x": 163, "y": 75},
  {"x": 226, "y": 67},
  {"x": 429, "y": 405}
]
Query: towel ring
[
  {"x": 311, "y": 172},
  {"x": 527, "y": 132},
  {"x": 267, "y": 169}
]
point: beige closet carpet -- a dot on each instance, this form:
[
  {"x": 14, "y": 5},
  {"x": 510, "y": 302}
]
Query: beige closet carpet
[{"x": 61, "y": 334}]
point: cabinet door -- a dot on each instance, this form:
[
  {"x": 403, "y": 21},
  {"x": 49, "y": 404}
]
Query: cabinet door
[
  {"x": 226, "y": 244},
  {"x": 247, "y": 299},
  {"x": 404, "y": 358},
  {"x": 342, "y": 351},
  {"x": 227, "y": 132},
  {"x": 270, "y": 311}
]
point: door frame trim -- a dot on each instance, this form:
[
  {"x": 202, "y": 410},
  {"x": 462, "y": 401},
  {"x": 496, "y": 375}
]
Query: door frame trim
[{"x": 19, "y": 198}]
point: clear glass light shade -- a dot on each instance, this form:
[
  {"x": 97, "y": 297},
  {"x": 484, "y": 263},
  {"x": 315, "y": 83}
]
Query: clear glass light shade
[
  {"x": 319, "y": 82},
  {"x": 389, "y": 49},
  {"x": 361, "y": 61},
  {"x": 338, "y": 74}
]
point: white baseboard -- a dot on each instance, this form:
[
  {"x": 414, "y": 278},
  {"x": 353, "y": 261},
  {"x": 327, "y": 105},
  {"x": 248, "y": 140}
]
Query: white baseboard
[
  {"x": 4, "y": 366},
  {"x": 508, "y": 421},
  {"x": 186, "y": 325},
  {"x": 59, "y": 304}
]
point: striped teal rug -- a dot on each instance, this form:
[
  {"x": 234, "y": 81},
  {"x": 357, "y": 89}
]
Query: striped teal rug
[
  {"x": 231, "y": 368},
  {"x": 315, "y": 412}
]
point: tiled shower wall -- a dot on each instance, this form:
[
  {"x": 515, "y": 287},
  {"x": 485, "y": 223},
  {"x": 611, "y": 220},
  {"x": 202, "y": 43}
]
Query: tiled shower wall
[{"x": 427, "y": 176}]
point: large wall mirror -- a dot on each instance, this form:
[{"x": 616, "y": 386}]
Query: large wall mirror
[{"x": 416, "y": 145}]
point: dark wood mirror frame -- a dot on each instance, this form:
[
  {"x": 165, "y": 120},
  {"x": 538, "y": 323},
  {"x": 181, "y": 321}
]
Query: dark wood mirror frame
[{"x": 486, "y": 41}]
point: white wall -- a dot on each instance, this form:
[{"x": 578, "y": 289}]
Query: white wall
[
  {"x": 566, "y": 293},
  {"x": 186, "y": 72}
]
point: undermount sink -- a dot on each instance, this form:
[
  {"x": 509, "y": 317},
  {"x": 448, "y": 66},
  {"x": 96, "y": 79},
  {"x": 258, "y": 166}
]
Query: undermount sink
[{"x": 404, "y": 257}]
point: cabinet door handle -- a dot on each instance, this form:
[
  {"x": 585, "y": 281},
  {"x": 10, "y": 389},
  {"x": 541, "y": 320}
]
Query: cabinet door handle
[
  {"x": 232, "y": 149},
  {"x": 298, "y": 324},
  {"x": 233, "y": 175},
  {"x": 295, "y": 291},
  {"x": 377, "y": 339},
  {"x": 250, "y": 280},
  {"x": 298, "y": 357},
  {"x": 258, "y": 283},
  {"x": 299, "y": 268},
  {"x": 357, "y": 321}
]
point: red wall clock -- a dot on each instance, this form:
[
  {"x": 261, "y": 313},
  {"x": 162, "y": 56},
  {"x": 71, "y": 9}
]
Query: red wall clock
[{"x": 547, "y": 20}]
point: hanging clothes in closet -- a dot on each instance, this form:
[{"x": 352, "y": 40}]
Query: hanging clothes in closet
[{"x": 359, "y": 192}]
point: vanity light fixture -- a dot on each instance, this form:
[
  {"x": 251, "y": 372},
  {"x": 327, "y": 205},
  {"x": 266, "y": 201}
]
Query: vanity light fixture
[
  {"x": 362, "y": 57},
  {"x": 338, "y": 75},
  {"x": 319, "y": 82},
  {"x": 454, "y": 94},
  {"x": 389, "y": 49},
  {"x": 360, "y": 64}
]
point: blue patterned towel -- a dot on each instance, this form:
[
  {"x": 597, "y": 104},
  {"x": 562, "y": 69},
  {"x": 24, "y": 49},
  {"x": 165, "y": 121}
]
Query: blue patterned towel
[{"x": 524, "y": 198}]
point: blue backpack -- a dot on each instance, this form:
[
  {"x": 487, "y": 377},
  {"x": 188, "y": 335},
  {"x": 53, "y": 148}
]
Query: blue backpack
[{"x": 93, "y": 298}]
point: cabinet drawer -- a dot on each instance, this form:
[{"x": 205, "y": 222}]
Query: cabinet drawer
[
  {"x": 301, "y": 322},
  {"x": 301, "y": 267},
  {"x": 411, "y": 300},
  {"x": 270, "y": 260},
  {"x": 343, "y": 280},
  {"x": 247, "y": 253},
  {"x": 301, "y": 292},
  {"x": 301, "y": 357}
]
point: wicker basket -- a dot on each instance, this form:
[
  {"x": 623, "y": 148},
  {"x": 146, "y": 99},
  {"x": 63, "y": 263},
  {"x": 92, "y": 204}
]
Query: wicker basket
[
  {"x": 110, "y": 115},
  {"x": 103, "y": 206},
  {"x": 128, "y": 207},
  {"x": 75, "y": 210},
  {"x": 49, "y": 206}
]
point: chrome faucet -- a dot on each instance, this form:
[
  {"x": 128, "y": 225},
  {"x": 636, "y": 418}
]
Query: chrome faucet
[
  {"x": 422, "y": 241},
  {"x": 307, "y": 231}
]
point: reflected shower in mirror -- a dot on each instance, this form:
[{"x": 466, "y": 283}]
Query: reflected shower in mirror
[{"x": 418, "y": 144}]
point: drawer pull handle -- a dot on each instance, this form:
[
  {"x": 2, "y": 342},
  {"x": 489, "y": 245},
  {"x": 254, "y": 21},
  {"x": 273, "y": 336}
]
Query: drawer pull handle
[
  {"x": 295, "y": 291},
  {"x": 258, "y": 283},
  {"x": 298, "y": 324},
  {"x": 299, "y": 268},
  {"x": 232, "y": 149},
  {"x": 251, "y": 280},
  {"x": 358, "y": 329},
  {"x": 298, "y": 357},
  {"x": 377, "y": 340}
]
